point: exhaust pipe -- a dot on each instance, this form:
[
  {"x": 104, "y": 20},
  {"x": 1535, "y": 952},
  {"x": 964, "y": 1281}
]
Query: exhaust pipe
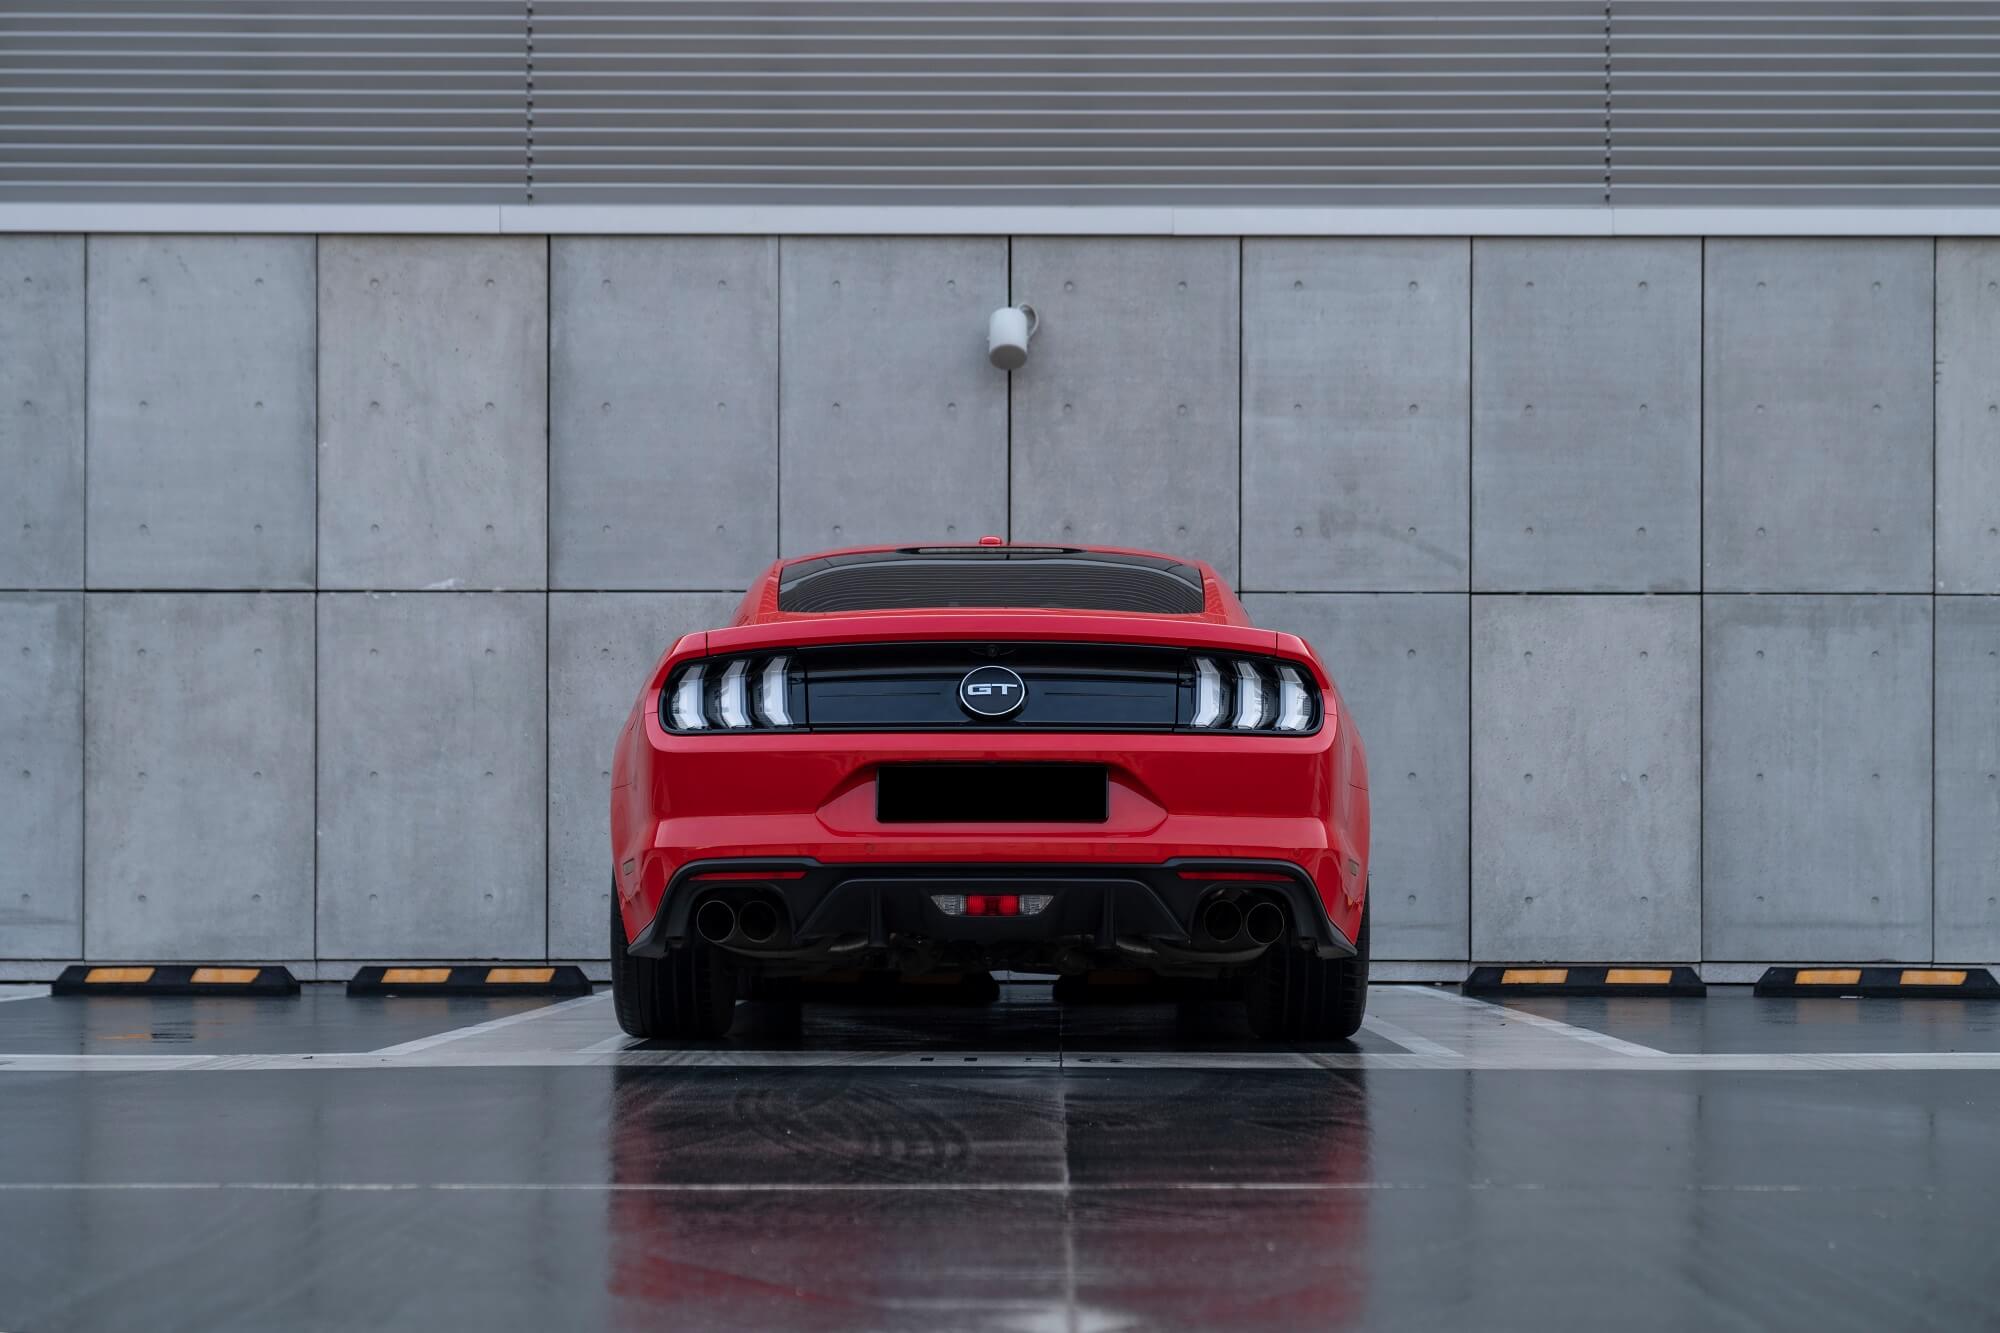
[
  {"x": 715, "y": 921},
  {"x": 758, "y": 921},
  {"x": 1265, "y": 922},
  {"x": 1222, "y": 920}
]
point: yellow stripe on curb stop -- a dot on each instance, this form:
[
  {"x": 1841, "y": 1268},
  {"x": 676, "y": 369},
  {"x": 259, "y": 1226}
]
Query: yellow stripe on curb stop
[
  {"x": 1534, "y": 976},
  {"x": 1639, "y": 976},
  {"x": 226, "y": 976},
  {"x": 407, "y": 976},
  {"x": 500, "y": 975},
  {"x": 117, "y": 974},
  {"x": 1828, "y": 976},
  {"x": 1920, "y": 977}
]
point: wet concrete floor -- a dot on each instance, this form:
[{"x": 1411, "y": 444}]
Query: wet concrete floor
[{"x": 325, "y": 1163}]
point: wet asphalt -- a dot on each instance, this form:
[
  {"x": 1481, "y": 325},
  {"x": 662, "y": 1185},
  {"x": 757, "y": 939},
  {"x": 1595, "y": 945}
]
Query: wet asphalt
[{"x": 509, "y": 1190}]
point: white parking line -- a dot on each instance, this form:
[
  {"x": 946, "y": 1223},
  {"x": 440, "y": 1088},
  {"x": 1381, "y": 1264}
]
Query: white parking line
[
  {"x": 885, "y": 1187},
  {"x": 1546, "y": 1057},
  {"x": 617, "y": 1043},
  {"x": 1522, "y": 1016},
  {"x": 22, "y": 993},
  {"x": 1408, "y": 1040},
  {"x": 437, "y": 1039}
]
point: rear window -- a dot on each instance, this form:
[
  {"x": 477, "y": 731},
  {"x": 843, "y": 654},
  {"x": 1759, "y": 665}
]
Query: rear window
[{"x": 991, "y": 576}]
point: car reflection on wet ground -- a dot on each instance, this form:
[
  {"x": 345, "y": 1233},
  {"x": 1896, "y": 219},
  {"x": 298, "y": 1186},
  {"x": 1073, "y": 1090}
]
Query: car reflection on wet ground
[{"x": 333, "y": 1163}]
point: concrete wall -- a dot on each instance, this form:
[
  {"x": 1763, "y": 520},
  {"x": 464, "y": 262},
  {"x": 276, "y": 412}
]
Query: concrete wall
[{"x": 1662, "y": 576}]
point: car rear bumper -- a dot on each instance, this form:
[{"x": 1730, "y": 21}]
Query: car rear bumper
[
  {"x": 810, "y": 801},
  {"x": 1094, "y": 907}
]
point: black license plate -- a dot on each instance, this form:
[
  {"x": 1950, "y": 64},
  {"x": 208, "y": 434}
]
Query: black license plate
[{"x": 991, "y": 794}]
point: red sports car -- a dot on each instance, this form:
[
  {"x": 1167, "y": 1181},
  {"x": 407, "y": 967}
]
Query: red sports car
[{"x": 933, "y": 759}]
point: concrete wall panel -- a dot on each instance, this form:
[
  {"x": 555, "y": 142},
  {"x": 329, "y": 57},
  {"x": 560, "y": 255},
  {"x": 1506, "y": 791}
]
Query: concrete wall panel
[
  {"x": 1401, "y": 665},
  {"x": 1355, "y": 367},
  {"x": 433, "y": 412},
  {"x": 601, "y": 645},
  {"x": 894, "y": 425},
  {"x": 440, "y": 360},
  {"x": 1586, "y": 778},
  {"x": 198, "y": 792},
  {"x": 41, "y": 411},
  {"x": 1816, "y": 764},
  {"x": 41, "y": 775},
  {"x": 663, "y": 447},
  {"x": 1968, "y": 779},
  {"x": 1817, "y": 437},
  {"x": 1586, "y": 445},
  {"x": 1968, "y": 416},
  {"x": 432, "y": 768},
  {"x": 1126, "y": 415},
  {"x": 201, "y": 412}
]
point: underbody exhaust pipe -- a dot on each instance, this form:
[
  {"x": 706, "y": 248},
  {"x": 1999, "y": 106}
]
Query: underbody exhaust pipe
[
  {"x": 715, "y": 921},
  {"x": 1264, "y": 922},
  {"x": 758, "y": 921},
  {"x": 1221, "y": 920}
]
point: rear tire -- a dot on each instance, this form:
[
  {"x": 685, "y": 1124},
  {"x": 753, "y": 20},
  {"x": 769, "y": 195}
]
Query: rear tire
[
  {"x": 1293, "y": 994},
  {"x": 689, "y": 995}
]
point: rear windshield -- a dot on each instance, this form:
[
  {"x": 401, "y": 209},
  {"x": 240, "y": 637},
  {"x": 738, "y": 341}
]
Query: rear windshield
[{"x": 991, "y": 576}]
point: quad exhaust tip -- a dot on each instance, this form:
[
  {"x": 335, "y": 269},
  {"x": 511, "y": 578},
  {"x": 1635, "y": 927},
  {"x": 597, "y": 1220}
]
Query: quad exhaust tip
[
  {"x": 755, "y": 922},
  {"x": 1222, "y": 920},
  {"x": 715, "y": 921},
  {"x": 1264, "y": 922},
  {"x": 758, "y": 921},
  {"x": 1230, "y": 922}
]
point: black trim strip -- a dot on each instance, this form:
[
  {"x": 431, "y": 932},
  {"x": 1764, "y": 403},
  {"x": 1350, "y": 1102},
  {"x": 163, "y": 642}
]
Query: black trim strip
[{"x": 817, "y": 882}]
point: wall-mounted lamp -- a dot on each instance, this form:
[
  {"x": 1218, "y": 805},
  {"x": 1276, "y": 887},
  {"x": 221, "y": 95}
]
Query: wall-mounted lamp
[{"x": 1007, "y": 333}]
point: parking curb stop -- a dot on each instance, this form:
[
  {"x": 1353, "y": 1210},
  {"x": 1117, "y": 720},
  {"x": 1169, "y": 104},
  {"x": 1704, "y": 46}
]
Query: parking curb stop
[
  {"x": 1620, "y": 979},
  {"x": 480, "y": 979},
  {"x": 1877, "y": 983},
  {"x": 262, "y": 981}
]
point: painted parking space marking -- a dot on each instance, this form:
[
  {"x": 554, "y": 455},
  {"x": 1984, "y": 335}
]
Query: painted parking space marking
[
  {"x": 623, "y": 1041},
  {"x": 437, "y": 1039},
  {"x": 963, "y": 1061},
  {"x": 914, "y": 1187},
  {"x": 1502, "y": 1014},
  {"x": 1412, "y": 1042},
  {"x": 1433, "y": 1029}
]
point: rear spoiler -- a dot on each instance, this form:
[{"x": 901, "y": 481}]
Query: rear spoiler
[{"x": 992, "y": 626}]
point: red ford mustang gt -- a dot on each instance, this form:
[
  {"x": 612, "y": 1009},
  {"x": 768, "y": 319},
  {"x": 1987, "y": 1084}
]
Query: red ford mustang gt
[{"x": 934, "y": 759}]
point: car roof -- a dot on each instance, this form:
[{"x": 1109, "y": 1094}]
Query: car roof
[{"x": 958, "y": 577}]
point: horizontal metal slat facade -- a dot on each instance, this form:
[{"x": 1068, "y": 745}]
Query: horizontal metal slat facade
[
  {"x": 263, "y": 100},
  {"x": 1197, "y": 103},
  {"x": 1805, "y": 102},
  {"x": 1270, "y": 102}
]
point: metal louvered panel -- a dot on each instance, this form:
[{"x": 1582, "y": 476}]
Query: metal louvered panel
[
  {"x": 1069, "y": 101},
  {"x": 348, "y": 100},
  {"x": 1198, "y": 104},
  {"x": 1805, "y": 102}
]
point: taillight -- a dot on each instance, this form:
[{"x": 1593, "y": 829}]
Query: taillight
[
  {"x": 732, "y": 694},
  {"x": 992, "y": 904},
  {"x": 1251, "y": 694}
]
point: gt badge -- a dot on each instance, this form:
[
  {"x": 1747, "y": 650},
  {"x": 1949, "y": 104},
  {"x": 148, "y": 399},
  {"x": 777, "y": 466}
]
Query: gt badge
[{"x": 992, "y": 691}]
